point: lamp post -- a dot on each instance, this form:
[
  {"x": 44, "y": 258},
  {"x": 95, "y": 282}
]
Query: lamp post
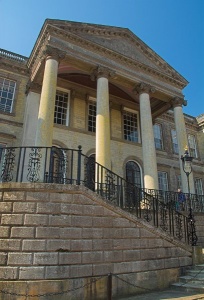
[{"x": 187, "y": 168}]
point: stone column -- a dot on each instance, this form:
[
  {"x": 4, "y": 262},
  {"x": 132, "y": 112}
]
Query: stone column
[
  {"x": 182, "y": 141},
  {"x": 44, "y": 132},
  {"x": 103, "y": 155},
  {"x": 148, "y": 145}
]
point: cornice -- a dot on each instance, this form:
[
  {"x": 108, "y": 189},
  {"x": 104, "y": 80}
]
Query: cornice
[
  {"x": 114, "y": 55},
  {"x": 13, "y": 123},
  {"x": 10, "y": 66},
  {"x": 91, "y": 46},
  {"x": 127, "y": 34}
]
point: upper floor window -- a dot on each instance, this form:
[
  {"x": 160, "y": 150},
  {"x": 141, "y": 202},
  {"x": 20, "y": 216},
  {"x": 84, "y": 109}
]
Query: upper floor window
[
  {"x": 198, "y": 186},
  {"x": 174, "y": 141},
  {"x": 163, "y": 181},
  {"x": 7, "y": 92},
  {"x": 92, "y": 116},
  {"x": 158, "y": 136},
  {"x": 130, "y": 126},
  {"x": 61, "y": 115},
  {"x": 192, "y": 145}
]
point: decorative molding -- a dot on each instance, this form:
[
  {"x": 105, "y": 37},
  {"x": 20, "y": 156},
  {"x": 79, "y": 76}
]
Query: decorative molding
[
  {"x": 54, "y": 53},
  {"x": 102, "y": 71},
  {"x": 144, "y": 88},
  {"x": 13, "y": 123},
  {"x": 13, "y": 67},
  {"x": 177, "y": 101},
  {"x": 91, "y": 46}
]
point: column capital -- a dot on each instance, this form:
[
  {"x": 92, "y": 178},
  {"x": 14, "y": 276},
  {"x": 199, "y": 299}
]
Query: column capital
[
  {"x": 143, "y": 88},
  {"x": 177, "y": 101},
  {"x": 101, "y": 71},
  {"x": 54, "y": 53}
]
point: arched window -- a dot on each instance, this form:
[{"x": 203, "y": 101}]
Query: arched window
[
  {"x": 133, "y": 174},
  {"x": 58, "y": 166}
]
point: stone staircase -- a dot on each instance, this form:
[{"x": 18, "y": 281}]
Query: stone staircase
[{"x": 193, "y": 279}]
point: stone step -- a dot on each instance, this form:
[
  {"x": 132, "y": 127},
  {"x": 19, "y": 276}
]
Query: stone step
[
  {"x": 198, "y": 288},
  {"x": 199, "y": 279}
]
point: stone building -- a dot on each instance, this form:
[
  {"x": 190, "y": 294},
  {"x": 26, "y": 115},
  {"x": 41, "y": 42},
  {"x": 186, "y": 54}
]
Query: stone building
[{"x": 100, "y": 87}]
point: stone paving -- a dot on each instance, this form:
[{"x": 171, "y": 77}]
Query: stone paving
[{"x": 170, "y": 294}]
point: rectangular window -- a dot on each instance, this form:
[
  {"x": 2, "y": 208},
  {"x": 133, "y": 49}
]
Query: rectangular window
[
  {"x": 130, "y": 126},
  {"x": 192, "y": 146},
  {"x": 198, "y": 186},
  {"x": 174, "y": 141},
  {"x": 61, "y": 115},
  {"x": 163, "y": 181},
  {"x": 7, "y": 92},
  {"x": 92, "y": 116},
  {"x": 158, "y": 136}
]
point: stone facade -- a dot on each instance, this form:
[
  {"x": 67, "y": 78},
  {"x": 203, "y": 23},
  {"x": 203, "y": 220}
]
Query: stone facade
[
  {"x": 82, "y": 80},
  {"x": 55, "y": 233}
]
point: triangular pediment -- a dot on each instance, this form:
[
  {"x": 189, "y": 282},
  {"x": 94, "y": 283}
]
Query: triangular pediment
[{"x": 120, "y": 41}]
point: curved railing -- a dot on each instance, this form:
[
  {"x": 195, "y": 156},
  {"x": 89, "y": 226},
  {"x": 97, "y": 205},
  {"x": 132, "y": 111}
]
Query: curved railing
[{"x": 71, "y": 166}]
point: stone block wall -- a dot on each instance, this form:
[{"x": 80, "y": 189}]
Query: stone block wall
[
  {"x": 199, "y": 223},
  {"x": 68, "y": 235}
]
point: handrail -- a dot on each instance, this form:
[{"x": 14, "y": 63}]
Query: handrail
[{"x": 71, "y": 166}]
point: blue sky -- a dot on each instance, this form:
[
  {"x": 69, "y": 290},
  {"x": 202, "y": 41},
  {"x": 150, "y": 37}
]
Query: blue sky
[{"x": 172, "y": 28}]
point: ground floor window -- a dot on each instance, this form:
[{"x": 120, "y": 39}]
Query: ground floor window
[
  {"x": 198, "y": 186},
  {"x": 163, "y": 181},
  {"x": 133, "y": 174}
]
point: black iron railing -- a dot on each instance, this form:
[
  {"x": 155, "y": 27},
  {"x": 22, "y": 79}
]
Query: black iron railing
[{"x": 70, "y": 166}]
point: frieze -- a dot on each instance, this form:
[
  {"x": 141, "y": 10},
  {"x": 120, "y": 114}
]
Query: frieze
[
  {"x": 11, "y": 67},
  {"x": 100, "y": 49},
  {"x": 131, "y": 37}
]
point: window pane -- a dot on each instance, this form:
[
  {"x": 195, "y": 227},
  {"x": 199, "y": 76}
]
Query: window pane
[
  {"x": 130, "y": 128},
  {"x": 192, "y": 145},
  {"x": 174, "y": 141},
  {"x": 92, "y": 117},
  {"x": 61, "y": 108},
  {"x": 158, "y": 136},
  {"x": 198, "y": 186},
  {"x": 163, "y": 181},
  {"x": 7, "y": 91}
]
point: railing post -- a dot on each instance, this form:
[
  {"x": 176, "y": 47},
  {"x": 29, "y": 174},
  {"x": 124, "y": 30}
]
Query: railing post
[
  {"x": 79, "y": 165},
  {"x": 109, "y": 287}
]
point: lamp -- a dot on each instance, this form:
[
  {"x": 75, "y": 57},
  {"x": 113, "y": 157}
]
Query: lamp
[{"x": 187, "y": 168}]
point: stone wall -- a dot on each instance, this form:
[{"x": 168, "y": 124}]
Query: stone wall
[
  {"x": 56, "y": 238},
  {"x": 199, "y": 223}
]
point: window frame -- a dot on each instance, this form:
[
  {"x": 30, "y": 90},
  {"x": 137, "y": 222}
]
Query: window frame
[
  {"x": 192, "y": 150},
  {"x": 198, "y": 181},
  {"x": 172, "y": 139},
  {"x": 67, "y": 121},
  {"x": 15, "y": 88},
  {"x": 161, "y": 136},
  {"x": 91, "y": 101},
  {"x": 131, "y": 111},
  {"x": 161, "y": 184}
]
